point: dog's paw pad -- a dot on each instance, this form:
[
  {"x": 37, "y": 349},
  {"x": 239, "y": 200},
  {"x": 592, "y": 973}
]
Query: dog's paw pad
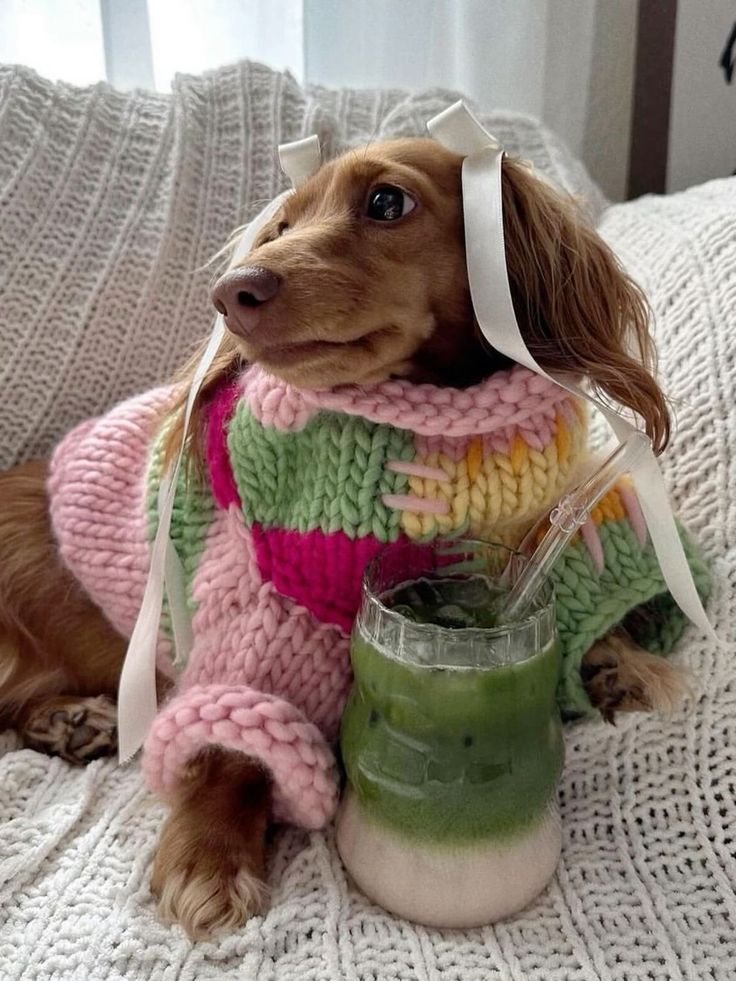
[
  {"x": 620, "y": 677},
  {"x": 610, "y": 694},
  {"x": 77, "y": 729}
]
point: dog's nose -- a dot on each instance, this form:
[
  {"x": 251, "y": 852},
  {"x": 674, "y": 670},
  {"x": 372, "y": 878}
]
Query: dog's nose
[{"x": 240, "y": 293}]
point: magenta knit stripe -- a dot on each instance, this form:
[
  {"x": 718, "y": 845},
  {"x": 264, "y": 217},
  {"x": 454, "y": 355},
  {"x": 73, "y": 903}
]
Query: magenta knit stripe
[
  {"x": 262, "y": 727},
  {"x": 321, "y": 572},
  {"x": 219, "y": 411}
]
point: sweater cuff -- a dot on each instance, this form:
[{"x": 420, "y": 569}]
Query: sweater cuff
[
  {"x": 261, "y": 726},
  {"x": 595, "y": 597}
]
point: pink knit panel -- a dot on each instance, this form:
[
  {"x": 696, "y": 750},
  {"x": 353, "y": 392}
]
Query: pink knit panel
[
  {"x": 630, "y": 501},
  {"x": 274, "y": 403},
  {"x": 589, "y": 534},
  {"x": 247, "y": 633},
  {"x": 97, "y": 488},
  {"x": 505, "y": 402},
  {"x": 219, "y": 411},
  {"x": 321, "y": 572},
  {"x": 261, "y": 726}
]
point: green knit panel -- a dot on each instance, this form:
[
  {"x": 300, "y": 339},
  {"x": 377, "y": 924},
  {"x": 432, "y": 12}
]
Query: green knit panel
[
  {"x": 330, "y": 475},
  {"x": 590, "y": 604},
  {"x": 191, "y": 518}
]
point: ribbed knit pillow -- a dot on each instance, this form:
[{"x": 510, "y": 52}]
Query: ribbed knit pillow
[{"x": 111, "y": 203}]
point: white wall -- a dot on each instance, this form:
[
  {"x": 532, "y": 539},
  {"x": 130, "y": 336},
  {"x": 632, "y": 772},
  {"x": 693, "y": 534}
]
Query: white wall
[{"x": 703, "y": 109}]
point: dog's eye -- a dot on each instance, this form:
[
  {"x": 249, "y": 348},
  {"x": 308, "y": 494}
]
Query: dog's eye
[
  {"x": 283, "y": 226},
  {"x": 387, "y": 203}
]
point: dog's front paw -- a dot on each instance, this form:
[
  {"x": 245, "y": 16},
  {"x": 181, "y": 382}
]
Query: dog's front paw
[
  {"x": 203, "y": 890},
  {"x": 621, "y": 677},
  {"x": 77, "y": 729},
  {"x": 209, "y": 873}
]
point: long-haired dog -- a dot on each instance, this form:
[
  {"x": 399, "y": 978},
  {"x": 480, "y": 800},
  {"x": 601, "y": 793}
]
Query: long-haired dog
[{"x": 360, "y": 277}]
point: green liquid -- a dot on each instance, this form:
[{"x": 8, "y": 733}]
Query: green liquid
[
  {"x": 455, "y": 602},
  {"x": 452, "y": 754}
]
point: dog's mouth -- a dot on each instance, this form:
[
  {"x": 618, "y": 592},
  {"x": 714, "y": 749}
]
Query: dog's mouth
[
  {"x": 300, "y": 352},
  {"x": 306, "y": 352},
  {"x": 362, "y": 359}
]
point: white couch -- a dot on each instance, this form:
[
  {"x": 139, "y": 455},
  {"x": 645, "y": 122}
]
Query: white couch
[{"x": 110, "y": 204}]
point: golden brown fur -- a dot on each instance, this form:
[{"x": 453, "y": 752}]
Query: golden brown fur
[
  {"x": 359, "y": 301},
  {"x": 210, "y": 867},
  {"x": 53, "y": 639}
]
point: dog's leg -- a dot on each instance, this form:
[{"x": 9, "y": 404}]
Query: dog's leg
[
  {"x": 58, "y": 654},
  {"x": 619, "y": 676},
  {"x": 209, "y": 871}
]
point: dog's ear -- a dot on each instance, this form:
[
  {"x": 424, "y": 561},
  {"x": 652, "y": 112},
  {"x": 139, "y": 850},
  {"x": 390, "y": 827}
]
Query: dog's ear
[{"x": 578, "y": 311}]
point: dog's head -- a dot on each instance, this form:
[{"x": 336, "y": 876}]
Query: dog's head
[{"x": 361, "y": 276}]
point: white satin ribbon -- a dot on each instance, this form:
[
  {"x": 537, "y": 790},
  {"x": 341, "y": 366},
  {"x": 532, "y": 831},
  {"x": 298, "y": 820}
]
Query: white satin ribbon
[
  {"x": 458, "y": 130},
  {"x": 137, "y": 703},
  {"x": 300, "y": 159}
]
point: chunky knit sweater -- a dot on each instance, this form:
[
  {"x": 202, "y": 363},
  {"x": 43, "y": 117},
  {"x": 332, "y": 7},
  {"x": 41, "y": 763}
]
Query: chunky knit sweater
[{"x": 302, "y": 489}]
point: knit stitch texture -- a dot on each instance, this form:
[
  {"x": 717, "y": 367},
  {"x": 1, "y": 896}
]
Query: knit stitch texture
[{"x": 303, "y": 489}]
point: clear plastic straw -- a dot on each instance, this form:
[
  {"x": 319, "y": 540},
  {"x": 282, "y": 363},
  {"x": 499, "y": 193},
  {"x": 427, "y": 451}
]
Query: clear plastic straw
[{"x": 572, "y": 512}]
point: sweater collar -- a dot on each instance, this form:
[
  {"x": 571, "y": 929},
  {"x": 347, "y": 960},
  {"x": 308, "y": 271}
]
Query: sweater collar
[{"x": 513, "y": 397}]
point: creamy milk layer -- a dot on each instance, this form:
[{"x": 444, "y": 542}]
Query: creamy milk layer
[{"x": 453, "y": 886}]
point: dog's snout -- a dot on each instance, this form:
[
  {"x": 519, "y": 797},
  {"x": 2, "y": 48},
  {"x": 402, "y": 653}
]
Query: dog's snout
[{"x": 240, "y": 293}]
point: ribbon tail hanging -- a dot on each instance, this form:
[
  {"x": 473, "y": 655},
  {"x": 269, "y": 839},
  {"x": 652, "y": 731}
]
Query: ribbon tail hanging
[
  {"x": 137, "y": 704},
  {"x": 461, "y": 132}
]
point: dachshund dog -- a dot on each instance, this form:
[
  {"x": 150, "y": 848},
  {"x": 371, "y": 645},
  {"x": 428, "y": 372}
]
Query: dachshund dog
[{"x": 360, "y": 277}]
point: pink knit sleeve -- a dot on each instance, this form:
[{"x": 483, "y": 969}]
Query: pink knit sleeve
[
  {"x": 97, "y": 487},
  {"x": 264, "y": 727},
  {"x": 264, "y": 678}
]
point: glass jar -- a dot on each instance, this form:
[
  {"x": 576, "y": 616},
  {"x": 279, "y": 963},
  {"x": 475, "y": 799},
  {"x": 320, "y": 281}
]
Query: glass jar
[{"x": 451, "y": 739}]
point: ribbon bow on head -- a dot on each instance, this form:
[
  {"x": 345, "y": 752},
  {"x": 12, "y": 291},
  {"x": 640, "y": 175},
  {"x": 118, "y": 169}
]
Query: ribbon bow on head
[{"x": 458, "y": 130}]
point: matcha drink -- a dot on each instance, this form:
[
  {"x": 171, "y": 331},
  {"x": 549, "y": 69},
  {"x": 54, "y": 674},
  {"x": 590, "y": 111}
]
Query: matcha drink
[{"x": 451, "y": 740}]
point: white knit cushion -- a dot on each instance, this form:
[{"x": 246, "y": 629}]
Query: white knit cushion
[{"x": 111, "y": 203}]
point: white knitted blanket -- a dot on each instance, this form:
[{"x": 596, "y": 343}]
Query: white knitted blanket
[{"x": 645, "y": 889}]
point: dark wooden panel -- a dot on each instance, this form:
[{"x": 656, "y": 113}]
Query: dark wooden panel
[{"x": 650, "y": 122}]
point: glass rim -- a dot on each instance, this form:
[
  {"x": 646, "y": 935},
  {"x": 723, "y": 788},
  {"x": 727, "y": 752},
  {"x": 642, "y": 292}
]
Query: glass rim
[{"x": 536, "y": 616}]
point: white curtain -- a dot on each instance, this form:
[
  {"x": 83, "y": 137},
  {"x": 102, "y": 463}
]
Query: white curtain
[
  {"x": 59, "y": 40},
  {"x": 493, "y": 50},
  {"x": 144, "y": 43},
  {"x": 568, "y": 62},
  {"x": 194, "y": 35}
]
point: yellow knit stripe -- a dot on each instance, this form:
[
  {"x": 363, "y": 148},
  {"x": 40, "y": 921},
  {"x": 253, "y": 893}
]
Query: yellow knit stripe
[
  {"x": 493, "y": 491},
  {"x": 563, "y": 440},
  {"x": 609, "y": 508},
  {"x": 474, "y": 457}
]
